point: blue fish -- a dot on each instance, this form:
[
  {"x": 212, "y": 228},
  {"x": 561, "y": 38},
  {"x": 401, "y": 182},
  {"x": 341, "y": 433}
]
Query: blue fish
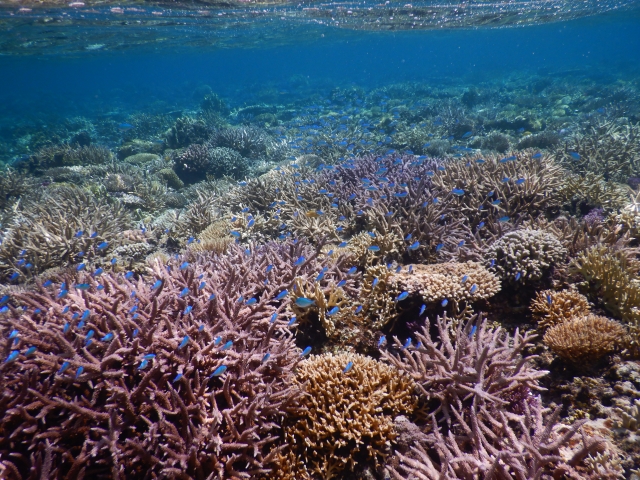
[
  {"x": 575, "y": 155},
  {"x": 14, "y": 276},
  {"x": 467, "y": 135},
  {"x": 114, "y": 261},
  {"x": 473, "y": 289},
  {"x": 65, "y": 309},
  {"x": 240, "y": 299},
  {"x": 333, "y": 311},
  {"x": 401, "y": 194},
  {"x": 12, "y": 356},
  {"x": 480, "y": 161},
  {"x": 128, "y": 275},
  {"x": 102, "y": 245},
  {"x": 358, "y": 309},
  {"x": 227, "y": 346},
  {"x": 549, "y": 299},
  {"x": 202, "y": 285},
  {"x": 133, "y": 309},
  {"x": 374, "y": 248},
  {"x": 320, "y": 276},
  {"x": 184, "y": 292},
  {"x": 135, "y": 333},
  {"x": 518, "y": 275},
  {"x": 81, "y": 324},
  {"x": 492, "y": 263},
  {"x": 414, "y": 246},
  {"x": 63, "y": 367},
  {"x": 520, "y": 181},
  {"x": 375, "y": 282},
  {"x": 62, "y": 294},
  {"x": 79, "y": 233},
  {"x": 219, "y": 371},
  {"x": 13, "y": 334},
  {"x": 299, "y": 261},
  {"x": 402, "y": 296},
  {"x": 292, "y": 321},
  {"x": 504, "y": 219},
  {"x": 305, "y": 352},
  {"x": 80, "y": 267},
  {"x": 150, "y": 356},
  {"x": 407, "y": 344},
  {"x": 473, "y": 331},
  {"x": 457, "y": 191},
  {"x": 143, "y": 364},
  {"x": 269, "y": 268},
  {"x": 30, "y": 351},
  {"x": 444, "y": 302},
  {"x": 125, "y": 126},
  {"x": 537, "y": 155},
  {"x": 282, "y": 294},
  {"x": 156, "y": 285},
  {"x": 352, "y": 270},
  {"x": 184, "y": 265},
  {"x": 303, "y": 302},
  {"x": 184, "y": 342},
  {"x": 235, "y": 233},
  {"x": 465, "y": 278},
  {"x": 98, "y": 272},
  {"x": 348, "y": 367},
  {"x": 48, "y": 283},
  {"x": 274, "y": 317},
  {"x": 107, "y": 337},
  {"x": 187, "y": 310},
  {"x": 422, "y": 309},
  {"x": 65, "y": 329},
  {"x": 251, "y": 301},
  {"x": 439, "y": 247},
  {"x": 381, "y": 341},
  {"x": 83, "y": 286},
  {"x": 89, "y": 335},
  {"x": 212, "y": 296},
  {"x": 177, "y": 377}
]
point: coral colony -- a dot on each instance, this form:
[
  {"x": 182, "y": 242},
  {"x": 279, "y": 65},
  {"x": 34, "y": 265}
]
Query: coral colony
[{"x": 363, "y": 288}]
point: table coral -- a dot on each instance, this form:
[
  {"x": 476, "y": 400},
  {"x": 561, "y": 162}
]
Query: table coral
[{"x": 585, "y": 340}]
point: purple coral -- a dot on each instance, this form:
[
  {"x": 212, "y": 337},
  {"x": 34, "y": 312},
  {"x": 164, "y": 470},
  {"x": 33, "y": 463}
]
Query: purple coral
[{"x": 183, "y": 374}]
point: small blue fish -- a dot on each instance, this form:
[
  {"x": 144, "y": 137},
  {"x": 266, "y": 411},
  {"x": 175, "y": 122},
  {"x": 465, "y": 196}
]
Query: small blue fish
[
  {"x": 422, "y": 309},
  {"x": 504, "y": 219},
  {"x": 240, "y": 299},
  {"x": 14, "y": 276},
  {"x": 107, "y": 337},
  {"x": 348, "y": 367},
  {"x": 505, "y": 179},
  {"x": 13, "y": 334},
  {"x": 219, "y": 371},
  {"x": 187, "y": 310},
  {"x": 114, "y": 261},
  {"x": 299, "y": 261},
  {"x": 305, "y": 352},
  {"x": 79, "y": 233},
  {"x": 439, "y": 247},
  {"x": 184, "y": 292},
  {"x": 143, "y": 364},
  {"x": 65, "y": 329},
  {"x": 444, "y": 302},
  {"x": 352, "y": 270},
  {"x": 46, "y": 284},
  {"x": 518, "y": 275},
  {"x": 184, "y": 265},
  {"x": 282, "y": 294},
  {"x": 496, "y": 202},
  {"x": 374, "y": 248},
  {"x": 402, "y": 296},
  {"x": 125, "y": 126},
  {"x": 457, "y": 191},
  {"x": 375, "y": 282},
  {"x": 266, "y": 357},
  {"x": 473, "y": 331},
  {"x": 333, "y": 311},
  {"x": 150, "y": 356},
  {"x": 12, "y": 356},
  {"x": 520, "y": 181},
  {"x": 407, "y": 344},
  {"x": 251, "y": 301},
  {"x": 303, "y": 302},
  {"x": 62, "y": 294},
  {"x": 202, "y": 285},
  {"x": 274, "y": 317},
  {"x": 212, "y": 296},
  {"x": 292, "y": 321},
  {"x": 176, "y": 378},
  {"x": 156, "y": 285},
  {"x": 184, "y": 342},
  {"x": 381, "y": 341},
  {"x": 465, "y": 278},
  {"x": 575, "y": 155},
  {"x": 83, "y": 286},
  {"x": 63, "y": 367},
  {"x": 473, "y": 289},
  {"x": 414, "y": 246},
  {"x": 537, "y": 155},
  {"x": 135, "y": 333},
  {"x": 128, "y": 275},
  {"x": 227, "y": 346},
  {"x": 89, "y": 335},
  {"x": 549, "y": 299},
  {"x": 401, "y": 194},
  {"x": 358, "y": 309},
  {"x": 235, "y": 234},
  {"x": 102, "y": 245},
  {"x": 81, "y": 324},
  {"x": 467, "y": 135},
  {"x": 65, "y": 309},
  {"x": 30, "y": 351},
  {"x": 133, "y": 309}
]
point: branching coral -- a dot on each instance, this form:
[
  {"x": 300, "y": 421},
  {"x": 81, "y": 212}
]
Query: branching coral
[
  {"x": 348, "y": 409},
  {"x": 585, "y": 340},
  {"x": 612, "y": 277},
  {"x": 486, "y": 420},
  {"x": 186, "y": 374},
  {"x": 44, "y": 233},
  {"x": 552, "y": 308},
  {"x": 593, "y": 190},
  {"x": 458, "y": 282},
  {"x": 525, "y": 254},
  {"x": 250, "y": 142}
]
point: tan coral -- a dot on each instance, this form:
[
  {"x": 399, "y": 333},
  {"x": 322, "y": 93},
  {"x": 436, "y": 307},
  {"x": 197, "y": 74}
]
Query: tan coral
[
  {"x": 552, "y": 308},
  {"x": 215, "y": 238},
  {"x": 585, "y": 340},
  {"x": 347, "y": 417},
  {"x": 453, "y": 281}
]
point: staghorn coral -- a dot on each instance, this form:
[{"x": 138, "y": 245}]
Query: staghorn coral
[
  {"x": 186, "y": 131},
  {"x": 249, "y": 142},
  {"x": 453, "y": 281},
  {"x": 593, "y": 190},
  {"x": 485, "y": 419},
  {"x": 552, "y": 308},
  {"x": 612, "y": 277},
  {"x": 44, "y": 230},
  {"x": 585, "y": 340},
  {"x": 525, "y": 254},
  {"x": 629, "y": 417},
  {"x": 65, "y": 155},
  {"x": 215, "y": 238},
  {"x": 347, "y": 416},
  {"x": 142, "y": 368}
]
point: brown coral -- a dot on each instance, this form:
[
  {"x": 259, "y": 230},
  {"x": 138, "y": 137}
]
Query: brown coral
[
  {"x": 552, "y": 308},
  {"x": 458, "y": 282},
  {"x": 583, "y": 341},
  {"x": 349, "y": 406}
]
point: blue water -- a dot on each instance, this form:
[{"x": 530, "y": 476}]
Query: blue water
[{"x": 47, "y": 86}]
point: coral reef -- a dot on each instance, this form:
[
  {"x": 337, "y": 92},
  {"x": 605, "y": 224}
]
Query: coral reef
[
  {"x": 525, "y": 255},
  {"x": 347, "y": 412},
  {"x": 585, "y": 340}
]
